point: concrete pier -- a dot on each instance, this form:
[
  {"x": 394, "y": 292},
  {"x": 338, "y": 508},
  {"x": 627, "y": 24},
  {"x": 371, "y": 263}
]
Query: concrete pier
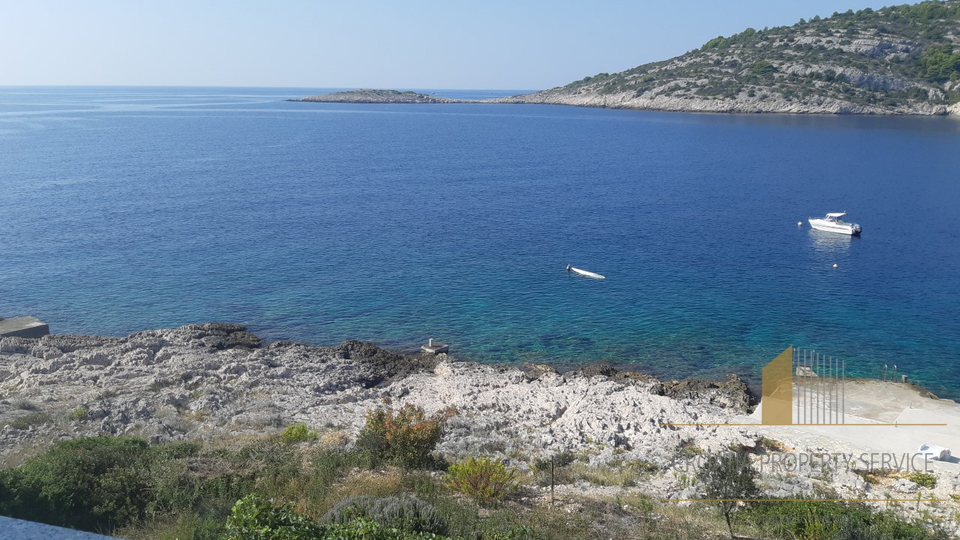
[
  {"x": 25, "y": 327},
  {"x": 435, "y": 347}
]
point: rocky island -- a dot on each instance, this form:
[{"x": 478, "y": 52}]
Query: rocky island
[
  {"x": 375, "y": 96},
  {"x": 618, "y": 436}
]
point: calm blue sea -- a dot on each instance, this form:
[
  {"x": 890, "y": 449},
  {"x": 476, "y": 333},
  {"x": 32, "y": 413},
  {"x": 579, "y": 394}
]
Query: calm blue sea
[{"x": 124, "y": 209}]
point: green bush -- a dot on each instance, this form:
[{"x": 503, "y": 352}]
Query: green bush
[
  {"x": 405, "y": 437},
  {"x": 403, "y": 512},
  {"x": 255, "y": 518},
  {"x": 762, "y": 67},
  {"x": 297, "y": 433},
  {"x": 923, "y": 479},
  {"x": 830, "y": 520},
  {"x": 104, "y": 483},
  {"x": 90, "y": 484},
  {"x": 80, "y": 413},
  {"x": 486, "y": 480},
  {"x": 939, "y": 62}
]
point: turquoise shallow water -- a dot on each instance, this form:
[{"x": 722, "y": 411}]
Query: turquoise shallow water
[{"x": 126, "y": 209}]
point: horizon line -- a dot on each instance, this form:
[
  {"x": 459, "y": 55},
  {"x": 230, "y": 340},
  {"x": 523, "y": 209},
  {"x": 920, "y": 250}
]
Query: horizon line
[{"x": 270, "y": 87}]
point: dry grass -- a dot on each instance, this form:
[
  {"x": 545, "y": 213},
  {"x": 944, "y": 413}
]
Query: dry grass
[
  {"x": 373, "y": 483},
  {"x": 627, "y": 474},
  {"x": 336, "y": 439}
]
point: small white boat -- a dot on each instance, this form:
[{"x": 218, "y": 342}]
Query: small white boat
[
  {"x": 584, "y": 273},
  {"x": 833, "y": 223}
]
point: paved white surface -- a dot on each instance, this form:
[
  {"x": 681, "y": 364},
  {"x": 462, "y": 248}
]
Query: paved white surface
[
  {"x": 888, "y": 407},
  {"x": 16, "y": 529}
]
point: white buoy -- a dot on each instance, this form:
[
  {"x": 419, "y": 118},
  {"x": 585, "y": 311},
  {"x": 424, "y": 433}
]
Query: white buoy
[
  {"x": 834, "y": 265},
  {"x": 799, "y": 224}
]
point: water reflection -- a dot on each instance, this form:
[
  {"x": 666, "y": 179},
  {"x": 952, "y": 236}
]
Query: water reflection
[{"x": 828, "y": 242}]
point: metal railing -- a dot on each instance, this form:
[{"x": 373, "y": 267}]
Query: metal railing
[{"x": 819, "y": 393}]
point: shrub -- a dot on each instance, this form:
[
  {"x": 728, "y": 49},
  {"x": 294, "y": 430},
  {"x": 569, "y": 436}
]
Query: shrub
[
  {"x": 558, "y": 460},
  {"x": 80, "y": 413},
  {"x": 24, "y": 404},
  {"x": 830, "y": 520},
  {"x": 923, "y": 479},
  {"x": 403, "y": 512},
  {"x": 255, "y": 518},
  {"x": 31, "y": 419},
  {"x": 725, "y": 478},
  {"x": 615, "y": 473},
  {"x": 90, "y": 484},
  {"x": 297, "y": 433},
  {"x": 486, "y": 480},
  {"x": 517, "y": 532},
  {"x": 689, "y": 449},
  {"x": 405, "y": 437},
  {"x": 762, "y": 67}
]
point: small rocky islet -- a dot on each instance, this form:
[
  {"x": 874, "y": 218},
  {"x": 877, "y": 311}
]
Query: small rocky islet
[{"x": 375, "y": 96}]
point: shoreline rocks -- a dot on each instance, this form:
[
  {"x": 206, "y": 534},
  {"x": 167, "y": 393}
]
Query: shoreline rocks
[
  {"x": 739, "y": 105},
  {"x": 743, "y": 104},
  {"x": 200, "y": 380},
  {"x": 218, "y": 382}
]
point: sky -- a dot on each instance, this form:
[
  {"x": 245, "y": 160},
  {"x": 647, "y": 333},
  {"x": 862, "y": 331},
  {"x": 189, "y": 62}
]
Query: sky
[{"x": 399, "y": 44}]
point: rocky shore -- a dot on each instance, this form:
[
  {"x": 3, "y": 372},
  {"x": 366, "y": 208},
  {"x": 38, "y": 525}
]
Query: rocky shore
[
  {"x": 739, "y": 104},
  {"x": 653, "y": 101},
  {"x": 212, "y": 381}
]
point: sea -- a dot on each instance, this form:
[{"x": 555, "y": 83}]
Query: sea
[{"x": 128, "y": 209}]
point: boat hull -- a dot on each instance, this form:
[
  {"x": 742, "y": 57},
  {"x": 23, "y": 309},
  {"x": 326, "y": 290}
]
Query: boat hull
[
  {"x": 851, "y": 229},
  {"x": 586, "y": 273}
]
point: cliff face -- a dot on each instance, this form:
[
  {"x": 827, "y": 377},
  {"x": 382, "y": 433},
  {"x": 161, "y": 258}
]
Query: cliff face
[{"x": 897, "y": 60}]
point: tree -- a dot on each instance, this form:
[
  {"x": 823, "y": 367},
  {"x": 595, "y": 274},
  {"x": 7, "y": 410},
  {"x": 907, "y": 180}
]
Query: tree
[
  {"x": 762, "y": 67},
  {"x": 727, "y": 479},
  {"x": 939, "y": 62}
]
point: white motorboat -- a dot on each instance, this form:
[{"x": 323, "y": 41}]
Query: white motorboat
[
  {"x": 833, "y": 222},
  {"x": 584, "y": 273}
]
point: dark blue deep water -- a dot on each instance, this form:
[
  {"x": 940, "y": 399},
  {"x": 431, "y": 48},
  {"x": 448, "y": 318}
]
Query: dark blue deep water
[{"x": 124, "y": 209}]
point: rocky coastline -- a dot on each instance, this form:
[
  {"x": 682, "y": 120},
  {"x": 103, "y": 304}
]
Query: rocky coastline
[
  {"x": 743, "y": 104},
  {"x": 215, "y": 381},
  {"x": 739, "y": 105}
]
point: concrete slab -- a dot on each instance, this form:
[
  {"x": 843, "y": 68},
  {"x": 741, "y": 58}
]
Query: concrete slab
[
  {"x": 882, "y": 417},
  {"x": 16, "y": 529},
  {"x": 25, "y": 327}
]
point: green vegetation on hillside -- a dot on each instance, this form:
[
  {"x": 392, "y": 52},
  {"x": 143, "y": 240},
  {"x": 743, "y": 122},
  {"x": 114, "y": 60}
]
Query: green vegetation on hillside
[
  {"x": 272, "y": 489},
  {"x": 886, "y": 58}
]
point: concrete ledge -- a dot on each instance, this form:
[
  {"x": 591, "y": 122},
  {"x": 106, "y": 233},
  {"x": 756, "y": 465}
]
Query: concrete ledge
[
  {"x": 25, "y": 327},
  {"x": 17, "y": 529}
]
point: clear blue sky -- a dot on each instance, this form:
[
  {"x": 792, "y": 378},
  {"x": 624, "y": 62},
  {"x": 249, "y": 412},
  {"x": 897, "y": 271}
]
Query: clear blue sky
[{"x": 448, "y": 44}]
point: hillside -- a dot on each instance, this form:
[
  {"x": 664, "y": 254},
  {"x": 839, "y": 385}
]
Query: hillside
[{"x": 895, "y": 60}]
